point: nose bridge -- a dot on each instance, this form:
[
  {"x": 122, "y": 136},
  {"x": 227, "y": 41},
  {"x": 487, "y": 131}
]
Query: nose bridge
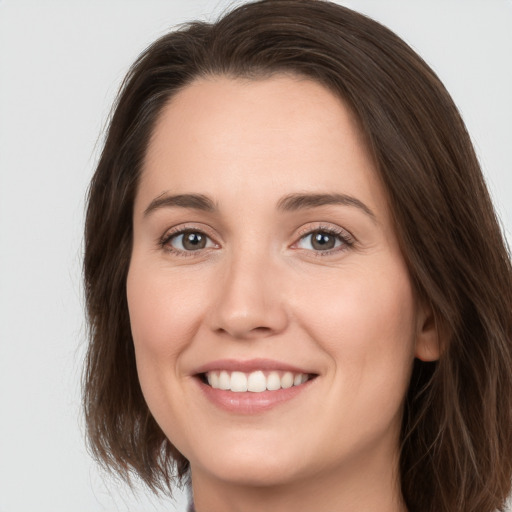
[{"x": 249, "y": 302}]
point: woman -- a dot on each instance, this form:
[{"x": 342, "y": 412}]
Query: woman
[{"x": 298, "y": 293}]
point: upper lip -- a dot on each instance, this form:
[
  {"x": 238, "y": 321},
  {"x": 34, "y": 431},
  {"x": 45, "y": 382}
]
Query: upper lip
[{"x": 248, "y": 366}]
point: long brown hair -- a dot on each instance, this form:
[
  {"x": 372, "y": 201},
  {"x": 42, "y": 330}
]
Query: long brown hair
[{"x": 456, "y": 451}]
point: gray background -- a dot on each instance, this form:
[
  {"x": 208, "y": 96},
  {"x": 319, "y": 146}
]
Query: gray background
[{"x": 61, "y": 63}]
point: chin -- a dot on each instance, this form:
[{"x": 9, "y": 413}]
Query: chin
[
  {"x": 260, "y": 464},
  {"x": 256, "y": 471}
]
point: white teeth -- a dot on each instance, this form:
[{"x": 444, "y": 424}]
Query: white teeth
[
  {"x": 255, "y": 382},
  {"x": 213, "y": 379},
  {"x": 224, "y": 380},
  {"x": 238, "y": 382},
  {"x": 273, "y": 381},
  {"x": 287, "y": 380}
]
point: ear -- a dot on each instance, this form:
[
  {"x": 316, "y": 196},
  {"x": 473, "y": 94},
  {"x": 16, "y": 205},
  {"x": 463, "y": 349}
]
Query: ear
[{"x": 428, "y": 342}]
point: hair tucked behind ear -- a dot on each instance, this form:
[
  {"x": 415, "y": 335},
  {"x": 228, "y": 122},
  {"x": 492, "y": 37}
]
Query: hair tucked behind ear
[{"x": 456, "y": 452}]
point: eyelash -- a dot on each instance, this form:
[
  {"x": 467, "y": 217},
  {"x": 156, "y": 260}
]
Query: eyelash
[
  {"x": 165, "y": 241},
  {"x": 346, "y": 239}
]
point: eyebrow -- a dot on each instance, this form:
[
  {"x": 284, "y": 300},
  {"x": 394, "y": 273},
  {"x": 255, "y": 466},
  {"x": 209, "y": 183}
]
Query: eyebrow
[
  {"x": 289, "y": 203},
  {"x": 193, "y": 201},
  {"x": 294, "y": 202}
]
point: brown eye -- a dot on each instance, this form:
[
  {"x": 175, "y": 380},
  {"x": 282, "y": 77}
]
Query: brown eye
[
  {"x": 190, "y": 241},
  {"x": 322, "y": 240}
]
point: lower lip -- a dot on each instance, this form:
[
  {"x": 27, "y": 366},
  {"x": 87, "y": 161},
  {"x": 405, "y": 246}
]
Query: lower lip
[{"x": 249, "y": 402}]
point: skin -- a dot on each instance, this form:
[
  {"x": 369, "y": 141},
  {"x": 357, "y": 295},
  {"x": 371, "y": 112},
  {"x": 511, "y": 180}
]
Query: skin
[{"x": 260, "y": 289}]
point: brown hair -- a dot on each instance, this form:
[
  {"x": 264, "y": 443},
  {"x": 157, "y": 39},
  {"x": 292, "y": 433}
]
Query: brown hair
[{"x": 456, "y": 451}]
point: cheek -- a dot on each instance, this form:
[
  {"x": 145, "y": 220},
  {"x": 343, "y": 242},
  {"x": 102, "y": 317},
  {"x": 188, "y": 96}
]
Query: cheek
[
  {"x": 358, "y": 302},
  {"x": 164, "y": 317},
  {"x": 147, "y": 306},
  {"x": 164, "y": 312},
  {"x": 366, "y": 322}
]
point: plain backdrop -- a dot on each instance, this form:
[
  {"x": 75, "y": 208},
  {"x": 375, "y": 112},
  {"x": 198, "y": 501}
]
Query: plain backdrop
[{"x": 61, "y": 63}]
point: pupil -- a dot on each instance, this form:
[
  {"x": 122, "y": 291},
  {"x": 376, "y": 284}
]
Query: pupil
[
  {"x": 322, "y": 241},
  {"x": 193, "y": 241}
]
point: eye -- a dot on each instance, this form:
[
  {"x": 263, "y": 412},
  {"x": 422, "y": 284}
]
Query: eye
[
  {"x": 324, "y": 240},
  {"x": 187, "y": 241}
]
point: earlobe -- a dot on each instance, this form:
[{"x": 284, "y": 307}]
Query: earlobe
[{"x": 428, "y": 342}]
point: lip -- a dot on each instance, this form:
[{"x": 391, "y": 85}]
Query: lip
[
  {"x": 250, "y": 365},
  {"x": 247, "y": 403}
]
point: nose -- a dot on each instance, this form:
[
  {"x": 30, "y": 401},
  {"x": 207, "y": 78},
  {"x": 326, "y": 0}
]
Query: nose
[{"x": 250, "y": 303}]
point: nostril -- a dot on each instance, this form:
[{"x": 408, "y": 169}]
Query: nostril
[
  {"x": 262, "y": 330},
  {"x": 255, "y": 332}
]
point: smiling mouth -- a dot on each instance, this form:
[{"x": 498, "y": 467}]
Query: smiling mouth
[{"x": 255, "y": 382}]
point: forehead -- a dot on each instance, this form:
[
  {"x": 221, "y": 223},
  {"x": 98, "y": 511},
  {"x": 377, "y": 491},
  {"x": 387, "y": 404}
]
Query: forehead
[{"x": 275, "y": 135}]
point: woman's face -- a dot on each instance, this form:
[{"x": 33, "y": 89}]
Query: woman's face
[{"x": 264, "y": 256}]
